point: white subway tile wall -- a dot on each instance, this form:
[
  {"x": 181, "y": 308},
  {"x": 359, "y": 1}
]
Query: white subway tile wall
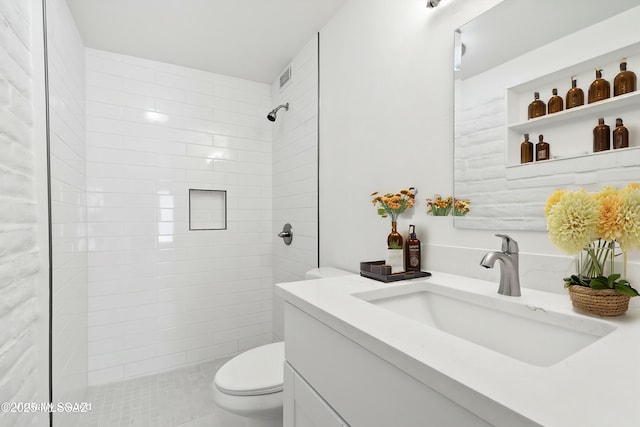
[
  {"x": 295, "y": 172},
  {"x": 19, "y": 253},
  {"x": 161, "y": 296},
  {"x": 482, "y": 177},
  {"x": 479, "y": 166},
  {"x": 69, "y": 206}
]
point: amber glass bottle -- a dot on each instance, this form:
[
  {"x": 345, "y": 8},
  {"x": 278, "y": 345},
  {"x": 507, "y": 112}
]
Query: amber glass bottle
[
  {"x": 526, "y": 150},
  {"x": 537, "y": 108},
  {"x": 394, "y": 239},
  {"x": 601, "y": 137},
  {"x": 543, "y": 151},
  {"x": 620, "y": 135},
  {"x": 625, "y": 81},
  {"x": 575, "y": 95},
  {"x": 600, "y": 88},
  {"x": 555, "y": 103}
]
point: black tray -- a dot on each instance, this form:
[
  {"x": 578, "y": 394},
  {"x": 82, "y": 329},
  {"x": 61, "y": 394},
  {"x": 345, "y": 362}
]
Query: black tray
[{"x": 377, "y": 270}]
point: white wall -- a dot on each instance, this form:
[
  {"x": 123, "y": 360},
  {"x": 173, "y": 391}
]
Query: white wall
[
  {"x": 69, "y": 205},
  {"x": 295, "y": 172},
  {"x": 21, "y": 278},
  {"x": 161, "y": 296},
  {"x": 386, "y": 123}
]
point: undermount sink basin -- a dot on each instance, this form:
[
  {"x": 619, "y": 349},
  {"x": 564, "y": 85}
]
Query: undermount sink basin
[{"x": 530, "y": 334}]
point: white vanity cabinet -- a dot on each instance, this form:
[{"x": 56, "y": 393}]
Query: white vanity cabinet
[
  {"x": 356, "y": 362},
  {"x": 331, "y": 380},
  {"x": 303, "y": 407}
]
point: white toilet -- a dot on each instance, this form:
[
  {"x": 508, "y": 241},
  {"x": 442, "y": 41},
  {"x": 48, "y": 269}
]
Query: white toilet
[{"x": 248, "y": 388}]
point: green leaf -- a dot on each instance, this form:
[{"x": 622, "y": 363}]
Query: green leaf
[
  {"x": 574, "y": 280},
  {"x": 611, "y": 280},
  {"x": 599, "y": 284},
  {"x": 381, "y": 212},
  {"x": 626, "y": 290}
]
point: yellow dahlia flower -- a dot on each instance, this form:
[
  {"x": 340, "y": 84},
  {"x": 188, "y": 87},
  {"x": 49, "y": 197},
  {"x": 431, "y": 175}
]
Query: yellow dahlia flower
[
  {"x": 606, "y": 191},
  {"x": 611, "y": 220},
  {"x": 572, "y": 221},
  {"x": 632, "y": 186},
  {"x": 552, "y": 200},
  {"x": 630, "y": 213}
]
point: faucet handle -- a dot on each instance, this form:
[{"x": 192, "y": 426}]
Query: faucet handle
[{"x": 509, "y": 245}]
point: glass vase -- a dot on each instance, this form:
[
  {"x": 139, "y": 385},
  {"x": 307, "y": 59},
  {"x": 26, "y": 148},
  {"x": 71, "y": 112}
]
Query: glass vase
[
  {"x": 394, "y": 239},
  {"x": 601, "y": 258}
]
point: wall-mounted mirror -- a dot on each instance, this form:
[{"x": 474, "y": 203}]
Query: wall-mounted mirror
[{"x": 501, "y": 58}]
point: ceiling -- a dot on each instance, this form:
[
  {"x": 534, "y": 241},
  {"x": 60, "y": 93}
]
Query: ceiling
[{"x": 251, "y": 39}]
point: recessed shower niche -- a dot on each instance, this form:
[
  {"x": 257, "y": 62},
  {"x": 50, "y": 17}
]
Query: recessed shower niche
[{"x": 207, "y": 209}]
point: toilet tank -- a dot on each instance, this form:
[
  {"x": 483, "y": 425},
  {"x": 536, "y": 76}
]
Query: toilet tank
[{"x": 324, "y": 272}]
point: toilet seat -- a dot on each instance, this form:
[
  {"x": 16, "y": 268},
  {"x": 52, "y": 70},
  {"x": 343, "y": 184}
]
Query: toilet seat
[{"x": 255, "y": 372}]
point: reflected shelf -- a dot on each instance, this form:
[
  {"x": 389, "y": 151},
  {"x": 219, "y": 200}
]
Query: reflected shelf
[
  {"x": 553, "y": 159},
  {"x": 595, "y": 109}
]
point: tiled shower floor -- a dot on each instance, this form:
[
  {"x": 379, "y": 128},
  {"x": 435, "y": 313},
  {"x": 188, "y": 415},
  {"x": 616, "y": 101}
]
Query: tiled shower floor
[{"x": 178, "y": 398}]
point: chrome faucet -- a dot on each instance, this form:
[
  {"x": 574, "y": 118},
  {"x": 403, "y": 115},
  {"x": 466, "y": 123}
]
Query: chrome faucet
[{"x": 509, "y": 271}]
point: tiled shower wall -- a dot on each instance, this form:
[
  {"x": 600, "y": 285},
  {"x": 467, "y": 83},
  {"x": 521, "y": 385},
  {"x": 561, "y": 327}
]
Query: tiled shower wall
[
  {"x": 161, "y": 296},
  {"x": 295, "y": 172},
  {"x": 69, "y": 205},
  {"x": 19, "y": 252}
]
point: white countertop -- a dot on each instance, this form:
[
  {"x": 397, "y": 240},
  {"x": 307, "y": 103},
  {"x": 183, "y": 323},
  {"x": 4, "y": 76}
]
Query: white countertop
[{"x": 597, "y": 386}]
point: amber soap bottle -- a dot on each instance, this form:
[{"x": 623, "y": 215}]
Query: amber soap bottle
[
  {"x": 537, "y": 108},
  {"x": 600, "y": 88},
  {"x": 543, "y": 151},
  {"x": 526, "y": 150},
  {"x": 555, "y": 103},
  {"x": 625, "y": 81},
  {"x": 575, "y": 95},
  {"x": 620, "y": 135},
  {"x": 601, "y": 137},
  {"x": 412, "y": 251}
]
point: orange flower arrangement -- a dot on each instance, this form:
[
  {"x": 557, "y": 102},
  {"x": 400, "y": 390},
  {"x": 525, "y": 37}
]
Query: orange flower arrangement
[
  {"x": 394, "y": 204},
  {"x": 461, "y": 207},
  {"x": 439, "y": 206}
]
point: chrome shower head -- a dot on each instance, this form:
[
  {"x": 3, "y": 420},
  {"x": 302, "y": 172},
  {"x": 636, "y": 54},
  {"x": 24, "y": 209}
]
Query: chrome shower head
[{"x": 272, "y": 114}]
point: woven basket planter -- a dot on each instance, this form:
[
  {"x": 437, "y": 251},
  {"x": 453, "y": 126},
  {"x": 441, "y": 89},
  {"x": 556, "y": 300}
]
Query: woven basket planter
[{"x": 603, "y": 302}]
